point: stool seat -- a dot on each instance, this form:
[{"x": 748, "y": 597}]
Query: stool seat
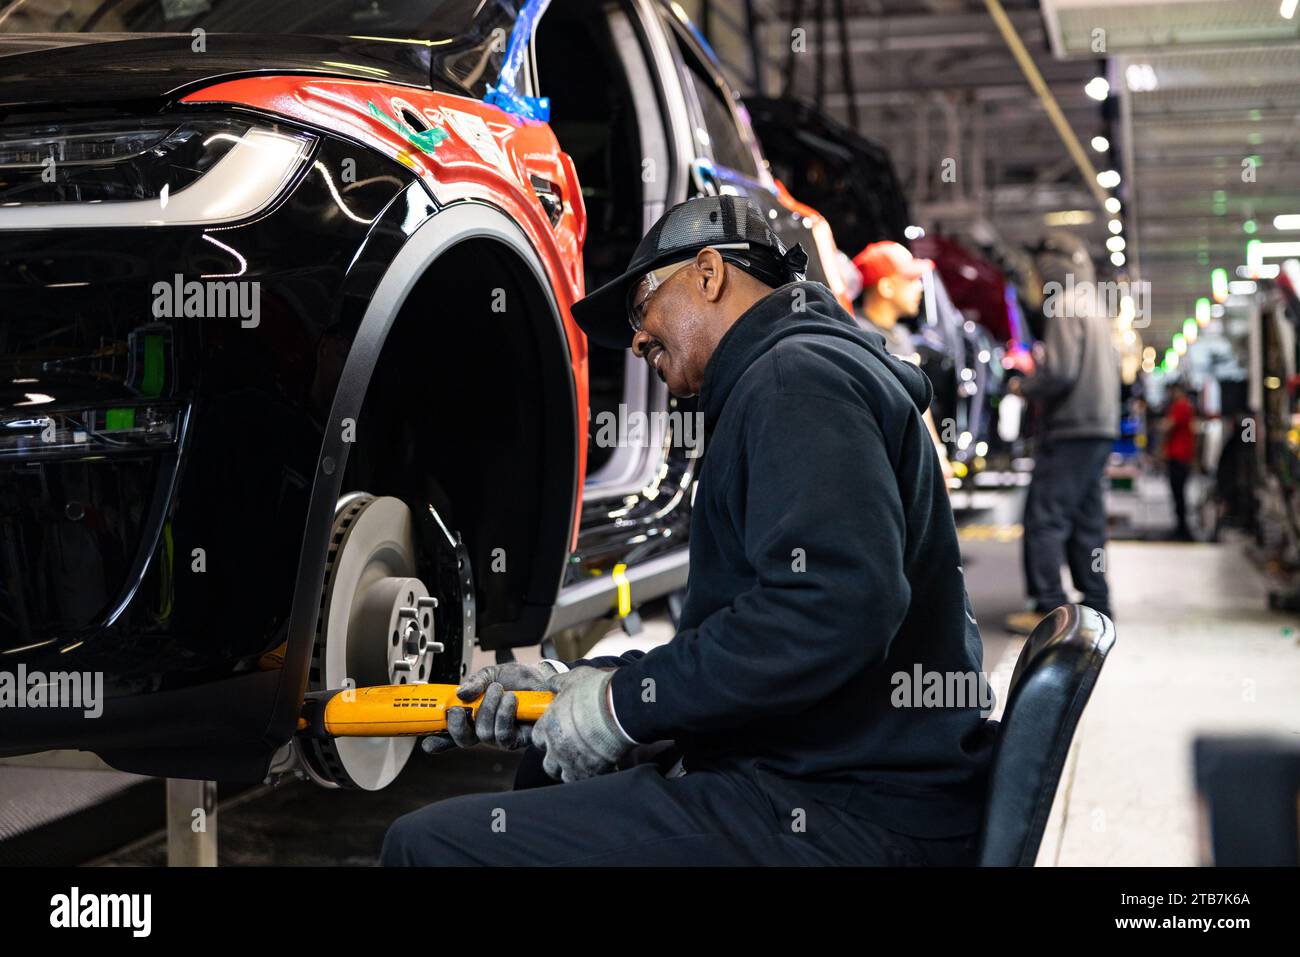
[{"x": 1053, "y": 679}]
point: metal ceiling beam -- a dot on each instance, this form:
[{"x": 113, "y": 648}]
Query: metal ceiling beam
[{"x": 1035, "y": 80}]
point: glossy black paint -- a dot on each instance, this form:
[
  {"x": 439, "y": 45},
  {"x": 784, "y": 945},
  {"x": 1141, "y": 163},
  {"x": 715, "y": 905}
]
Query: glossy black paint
[
  {"x": 70, "y": 70},
  {"x": 256, "y": 400},
  {"x": 199, "y": 678}
]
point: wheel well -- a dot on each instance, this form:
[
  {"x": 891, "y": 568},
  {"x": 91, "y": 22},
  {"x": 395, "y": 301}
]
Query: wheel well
[{"x": 470, "y": 409}]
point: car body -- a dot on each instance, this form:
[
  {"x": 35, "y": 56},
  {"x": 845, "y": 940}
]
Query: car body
[{"x": 262, "y": 266}]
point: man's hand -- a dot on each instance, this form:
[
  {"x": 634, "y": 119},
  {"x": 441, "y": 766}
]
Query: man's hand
[
  {"x": 495, "y": 720},
  {"x": 578, "y": 731}
]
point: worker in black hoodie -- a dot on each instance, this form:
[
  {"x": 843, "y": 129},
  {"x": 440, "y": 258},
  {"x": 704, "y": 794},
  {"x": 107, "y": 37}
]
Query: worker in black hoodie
[{"x": 823, "y": 694}]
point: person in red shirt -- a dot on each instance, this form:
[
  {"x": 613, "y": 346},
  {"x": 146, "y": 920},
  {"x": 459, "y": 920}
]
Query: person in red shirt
[{"x": 1179, "y": 453}]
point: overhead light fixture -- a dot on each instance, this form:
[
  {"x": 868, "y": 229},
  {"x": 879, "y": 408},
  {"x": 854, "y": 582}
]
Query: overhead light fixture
[
  {"x": 1117, "y": 259},
  {"x": 1203, "y": 311},
  {"x": 1108, "y": 179},
  {"x": 913, "y": 232},
  {"x": 1287, "y": 220},
  {"x": 1257, "y": 252},
  {"x": 1115, "y": 226},
  {"x": 1112, "y": 205},
  {"x": 1191, "y": 331},
  {"x": 1180, "y": 344},
  {"x": 1116, "y": 244},
  {"x": 1241, "y": 287},
  {"x": 1127, "y": 311},
  {"x": 1100, "y": 144},
  {"x": 1219, "y": 284},
  {"x": 1288, "y": 8},
  {"x": 1098, "y": 88},
  {"x": 1259, "y": 271},
  {"x": 1069, "y": 217},
  {"x": 1141, "y": 77}
]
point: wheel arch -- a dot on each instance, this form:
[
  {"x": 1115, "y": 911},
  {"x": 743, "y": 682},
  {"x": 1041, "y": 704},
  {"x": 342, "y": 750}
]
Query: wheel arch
[{"x": 450, "y": 227}]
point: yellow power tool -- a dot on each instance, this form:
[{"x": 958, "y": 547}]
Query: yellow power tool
[{"x": 396, "y": 710}]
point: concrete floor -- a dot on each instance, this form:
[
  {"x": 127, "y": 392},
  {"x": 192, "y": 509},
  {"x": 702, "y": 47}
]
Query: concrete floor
[{"x": 1197, "y": 651}]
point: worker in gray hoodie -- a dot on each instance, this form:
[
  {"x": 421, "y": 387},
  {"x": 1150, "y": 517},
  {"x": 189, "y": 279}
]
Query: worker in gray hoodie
[{"x": 1076, "y": 384}]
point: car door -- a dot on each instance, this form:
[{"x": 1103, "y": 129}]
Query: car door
[
  {"x": 726, "y": 157},
  {"x": 616, "y": 107}
]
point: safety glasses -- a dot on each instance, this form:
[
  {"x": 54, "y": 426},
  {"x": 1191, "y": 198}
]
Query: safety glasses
[{"x": 644, "y": 290}]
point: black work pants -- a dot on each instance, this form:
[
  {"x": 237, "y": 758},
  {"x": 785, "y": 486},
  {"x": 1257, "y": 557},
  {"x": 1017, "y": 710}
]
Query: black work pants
[
  {"x": 1065, "y": 523},
  {"x": 640, "y": 817},
  {"x": 1178, "y": 473}
]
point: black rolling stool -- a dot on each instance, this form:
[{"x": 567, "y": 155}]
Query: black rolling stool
[{"x": 1051, "y": 684}]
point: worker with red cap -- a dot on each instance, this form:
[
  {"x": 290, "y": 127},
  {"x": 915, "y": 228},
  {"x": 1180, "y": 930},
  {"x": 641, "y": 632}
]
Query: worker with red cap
[{"x": 891, "y": 289}]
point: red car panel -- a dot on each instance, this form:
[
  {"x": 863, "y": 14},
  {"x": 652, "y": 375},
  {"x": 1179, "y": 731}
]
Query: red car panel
[{"x": 471, "y": 151}]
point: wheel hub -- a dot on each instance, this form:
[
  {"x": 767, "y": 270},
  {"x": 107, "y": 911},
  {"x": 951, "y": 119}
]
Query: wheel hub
[
  {"x": 376, "y": 626},
  {"x": 402, "y": 609}
]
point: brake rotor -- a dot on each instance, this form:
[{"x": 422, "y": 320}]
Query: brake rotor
[{"x": 376, "y": 626}]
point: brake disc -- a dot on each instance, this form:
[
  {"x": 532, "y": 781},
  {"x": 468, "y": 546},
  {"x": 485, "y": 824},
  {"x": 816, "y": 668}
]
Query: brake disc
[{"x": 376, "y": 626}]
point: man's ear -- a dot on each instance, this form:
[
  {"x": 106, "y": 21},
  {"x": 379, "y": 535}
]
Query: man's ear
[
  {"x": 712, "y": 273},
  {"x": 885, "y": 288}
]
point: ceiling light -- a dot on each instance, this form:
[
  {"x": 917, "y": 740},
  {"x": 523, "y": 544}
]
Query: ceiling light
[
  {"x": 1219, "y": 284},
  {"x": 1203, "y": 311},
  {"x": 1141, "y": 77},
  {"x": 1112, "y": 204},
  {"x": 1117, "y": 259},
  {"x": 1287, "y": 221},
  {"x": 1100, "y": 144},
  {"x": 1069, "y": 217},
  {"x": 1115, "y": 226},
  {"x": 1097, "y": 88},
  {"x": 1115, "y": 244},
  {"x": 1108, "y": 179}
]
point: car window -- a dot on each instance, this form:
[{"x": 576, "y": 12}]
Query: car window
[
  {"x": 722, "y": 136},
  {"x": 416, "y": 19},
  {"x": 465, "y": 36}
]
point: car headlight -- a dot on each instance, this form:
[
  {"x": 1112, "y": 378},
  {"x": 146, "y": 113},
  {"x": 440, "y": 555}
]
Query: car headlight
[{"x": 157, "y": 172}]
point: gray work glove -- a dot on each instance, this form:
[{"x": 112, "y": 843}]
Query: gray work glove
[
  {"x": 578, "y": 731},
  {"x": 494, "y": 722}
]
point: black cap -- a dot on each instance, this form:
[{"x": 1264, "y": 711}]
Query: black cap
[{"x": 679, "y": 234}]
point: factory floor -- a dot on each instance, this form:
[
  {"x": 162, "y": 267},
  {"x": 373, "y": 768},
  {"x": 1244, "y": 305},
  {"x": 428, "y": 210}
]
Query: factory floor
[{"x": 1197, "y": 651}]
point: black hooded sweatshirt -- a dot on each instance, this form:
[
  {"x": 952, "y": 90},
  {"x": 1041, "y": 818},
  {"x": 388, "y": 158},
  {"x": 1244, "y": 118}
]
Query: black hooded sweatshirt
[{"x": 825, "y": 580}]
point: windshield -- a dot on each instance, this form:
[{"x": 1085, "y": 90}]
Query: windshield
[{"x": 413, "y": 19}]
